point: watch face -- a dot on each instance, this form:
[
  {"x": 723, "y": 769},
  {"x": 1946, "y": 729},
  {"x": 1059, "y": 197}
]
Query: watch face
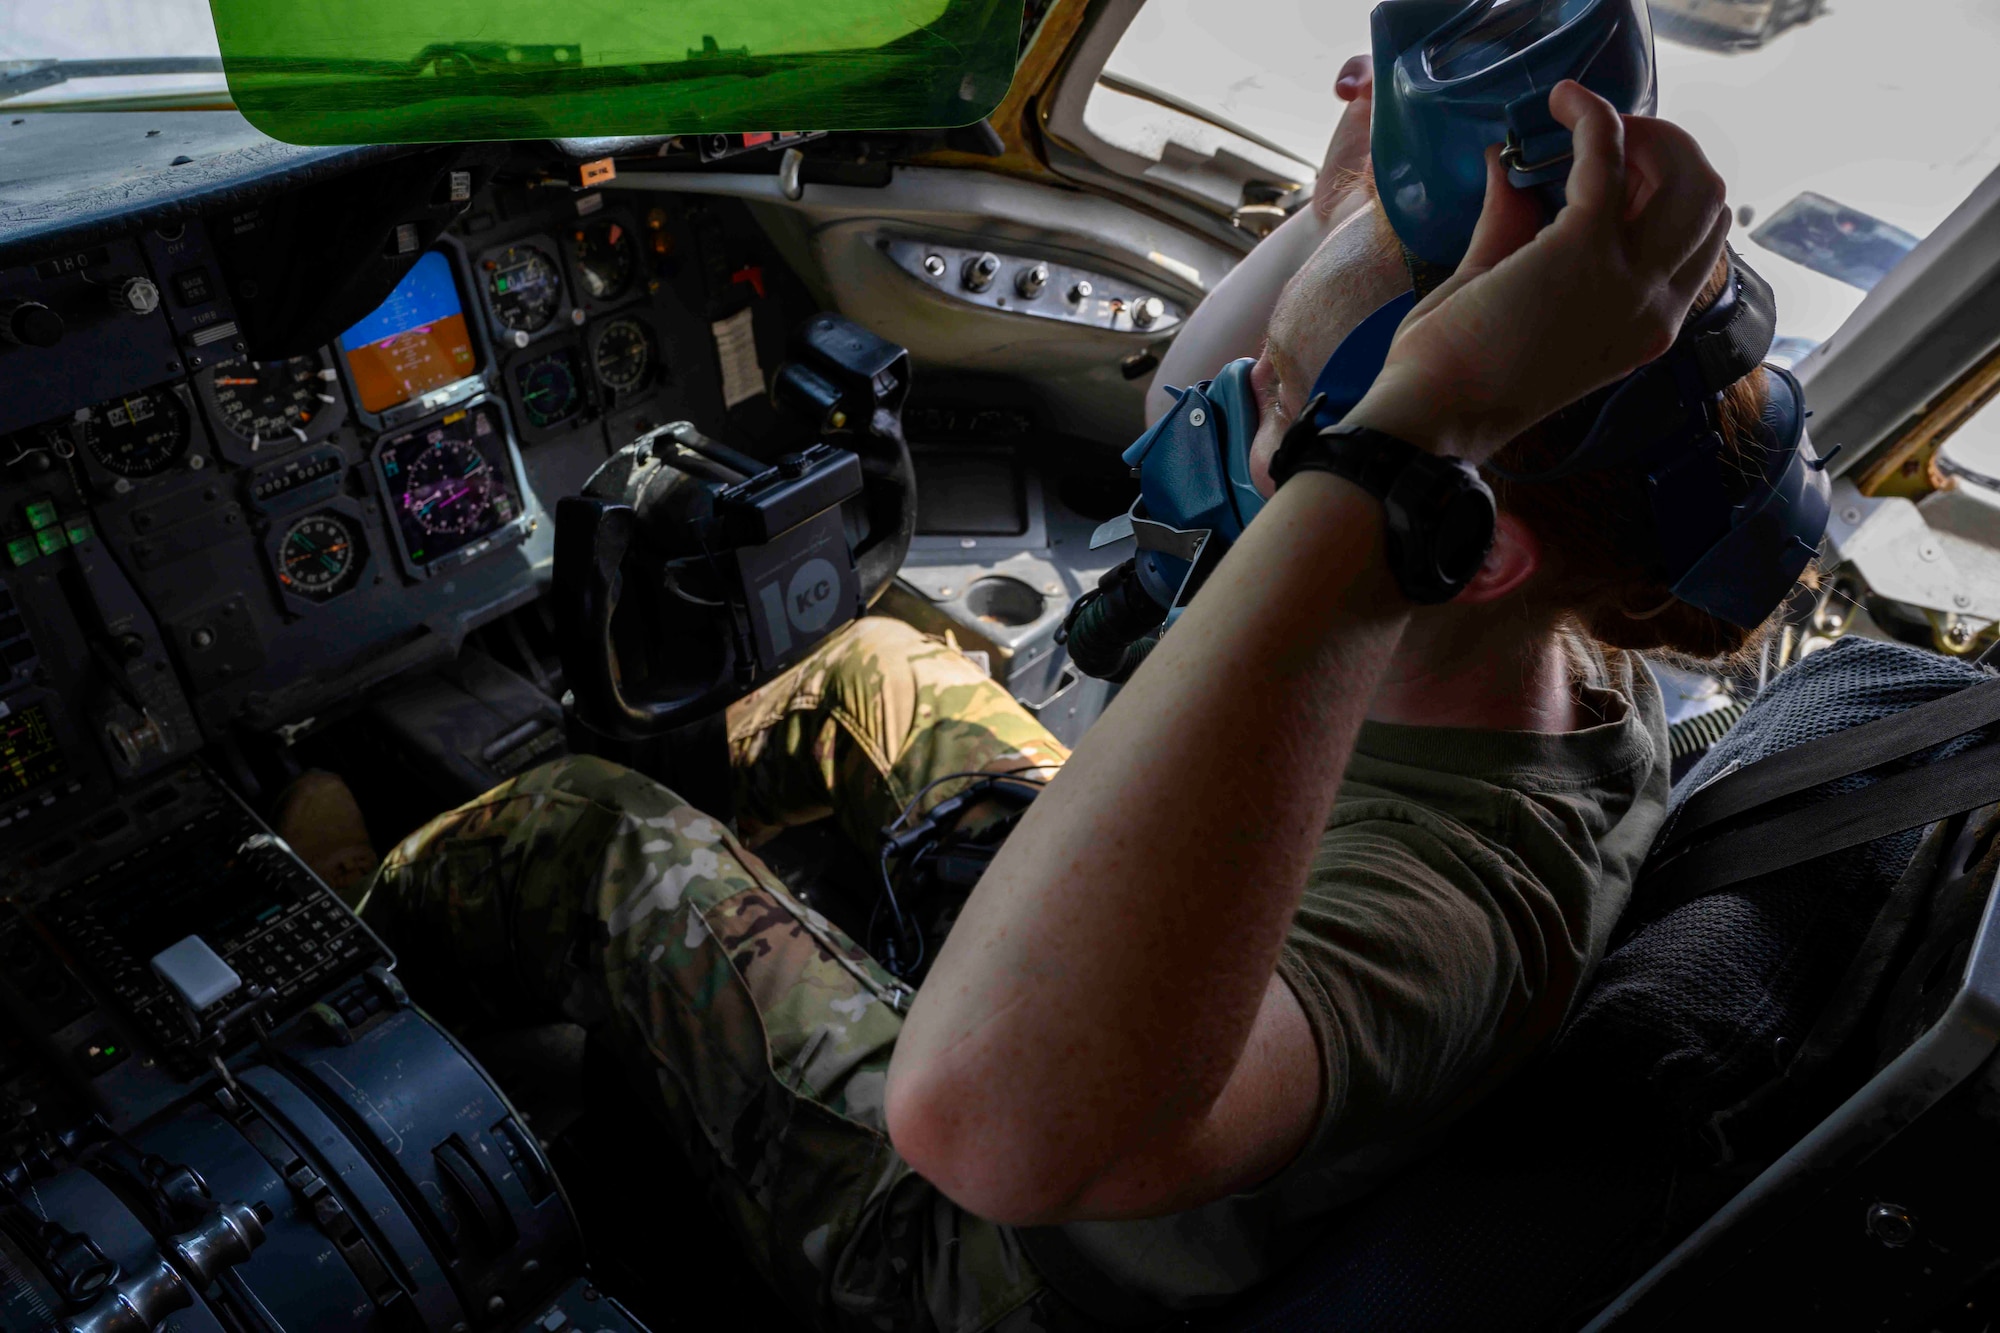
[{"x": 1463, "y": 535}]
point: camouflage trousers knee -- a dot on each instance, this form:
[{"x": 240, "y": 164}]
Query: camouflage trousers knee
[{"x": 585, "y": 891}]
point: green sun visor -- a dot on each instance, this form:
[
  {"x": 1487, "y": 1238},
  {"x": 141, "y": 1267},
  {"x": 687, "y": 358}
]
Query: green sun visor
[{"x": 429, "y": 71}]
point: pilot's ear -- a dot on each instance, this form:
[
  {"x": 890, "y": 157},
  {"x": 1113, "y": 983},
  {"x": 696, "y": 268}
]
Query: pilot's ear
[{"x": 1515, "y": 556}]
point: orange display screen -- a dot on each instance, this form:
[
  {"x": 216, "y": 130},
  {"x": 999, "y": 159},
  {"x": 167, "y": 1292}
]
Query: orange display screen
[{"x": 414, "y": 342}]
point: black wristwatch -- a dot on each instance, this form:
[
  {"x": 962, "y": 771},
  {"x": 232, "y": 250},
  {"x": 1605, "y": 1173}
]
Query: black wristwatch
[{"x": 1440, "y": 513}]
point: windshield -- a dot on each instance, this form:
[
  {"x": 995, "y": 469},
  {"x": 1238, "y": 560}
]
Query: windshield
[
  {"x": 1844, "y": 139},
  {"x": 110, "y": 30}
]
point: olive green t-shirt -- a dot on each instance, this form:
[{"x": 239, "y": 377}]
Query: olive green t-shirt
[{"x": 1463, "y": 892}]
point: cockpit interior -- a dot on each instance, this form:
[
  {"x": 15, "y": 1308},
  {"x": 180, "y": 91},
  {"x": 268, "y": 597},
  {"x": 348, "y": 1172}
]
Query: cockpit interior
[{"x": 311, "y": 461}]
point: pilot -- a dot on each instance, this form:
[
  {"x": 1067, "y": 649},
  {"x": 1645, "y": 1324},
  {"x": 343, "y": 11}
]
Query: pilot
[
  {"x": 1331, "y": 866},
  {"x": 1230, "y": 322}
]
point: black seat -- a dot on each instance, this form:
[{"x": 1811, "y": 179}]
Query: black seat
[{"x": 1717, "y": 1032}]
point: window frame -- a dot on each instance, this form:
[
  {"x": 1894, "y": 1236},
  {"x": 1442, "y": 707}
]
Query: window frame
[{"x": 1203, "y": 193}]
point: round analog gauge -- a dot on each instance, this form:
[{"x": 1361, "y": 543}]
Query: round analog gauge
[
  {"x": 549, "y": 391},
  {"x": 319, "y": 555},
  {"x": 139, "y": 435},
  {"x": 525, "y": 288},
  {"x": 604, "y": 259},
  {"x": 623, "y": 355},
  {"x": 271, "y": 402},
  {"x": 451, "y": 488}
]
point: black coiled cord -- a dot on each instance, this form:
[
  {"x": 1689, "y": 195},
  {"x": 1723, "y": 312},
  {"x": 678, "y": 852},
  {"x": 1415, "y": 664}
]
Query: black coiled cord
[{"x": 1111, "y": 629}]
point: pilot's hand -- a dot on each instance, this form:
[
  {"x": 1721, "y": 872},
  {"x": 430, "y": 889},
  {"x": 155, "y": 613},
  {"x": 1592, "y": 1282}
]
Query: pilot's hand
[
  {"x": 1340, "y": 177},
  {"x": 1537, "y": 317}
]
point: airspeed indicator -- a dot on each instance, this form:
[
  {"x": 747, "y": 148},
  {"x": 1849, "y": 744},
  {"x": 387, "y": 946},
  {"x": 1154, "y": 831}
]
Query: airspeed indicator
[{"x": 268, "y": 404}]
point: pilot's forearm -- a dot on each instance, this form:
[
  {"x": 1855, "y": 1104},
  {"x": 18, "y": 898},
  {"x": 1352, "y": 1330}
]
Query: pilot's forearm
[
  {"x": 1099, "y": 988},
  {"x": 1230, "y": 321}
]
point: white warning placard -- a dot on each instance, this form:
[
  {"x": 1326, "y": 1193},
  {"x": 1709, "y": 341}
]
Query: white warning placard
[{"x": 736, "y": 349}]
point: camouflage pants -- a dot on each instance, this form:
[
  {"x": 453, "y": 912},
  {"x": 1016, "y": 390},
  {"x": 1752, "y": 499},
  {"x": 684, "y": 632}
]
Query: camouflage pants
[{"x": 585, "y": 891}]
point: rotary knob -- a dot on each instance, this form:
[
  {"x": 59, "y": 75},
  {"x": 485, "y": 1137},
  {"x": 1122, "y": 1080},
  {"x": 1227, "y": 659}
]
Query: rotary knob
[
  {"x": 1146, "y": 311},
  {"x": 979, "y": 271},
  {"x": 137, "y": 295},
  {"x": 29, "y": 324},
  {"x": 1032, "y": 281}
]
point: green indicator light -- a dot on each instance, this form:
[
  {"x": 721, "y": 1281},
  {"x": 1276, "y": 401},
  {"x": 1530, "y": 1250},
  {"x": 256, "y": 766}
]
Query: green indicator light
[
  {"x": 51, "y": 540},
  {"x": 78, "y": 531},
  {"x": 41, "y": 513},
  {"x": 21, "y": 550}
]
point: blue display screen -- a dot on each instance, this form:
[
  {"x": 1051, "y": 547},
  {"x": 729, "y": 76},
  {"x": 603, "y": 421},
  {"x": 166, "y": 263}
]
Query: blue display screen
[
  {"x": 426, "y": 295},
  {"x": 415, "y": 341}
]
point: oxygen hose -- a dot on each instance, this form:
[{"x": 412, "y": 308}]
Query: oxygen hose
[{"x": 1110, "y": 631}]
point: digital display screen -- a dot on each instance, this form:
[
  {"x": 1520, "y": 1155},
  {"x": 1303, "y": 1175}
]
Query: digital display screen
[
  {"x": 194, "y": 875},
  {"x": 415, "y": 341},
  {"x": 450, "y": 483},
  {"x": 29, "y": 753}
]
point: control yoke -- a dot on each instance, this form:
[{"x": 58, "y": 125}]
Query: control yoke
[{"x": 689, "y": 572}]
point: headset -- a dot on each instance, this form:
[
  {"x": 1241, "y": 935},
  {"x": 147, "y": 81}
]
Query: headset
[{"x": 1451, "y": 80}]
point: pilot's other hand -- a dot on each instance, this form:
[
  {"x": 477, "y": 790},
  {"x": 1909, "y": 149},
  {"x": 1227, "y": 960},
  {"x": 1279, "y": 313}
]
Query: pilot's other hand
[
  {"x": 1346, "y": 166},
  {"x": 1536, "y": 317}
]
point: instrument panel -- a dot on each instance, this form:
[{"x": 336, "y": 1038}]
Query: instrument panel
[
  {"x": 452, "y": 485},
  {"x": 606, "y": 258},
  {"x": 525, "y": 287},
  {"x": 139, "y": 434},
  {"x": 319, "y": 555},
  {"x": 260, "y": 405},
  {"x": 416, "y": 342},
  {"x": 195, "y": 541},
  {"x": 30, "y": 753}
]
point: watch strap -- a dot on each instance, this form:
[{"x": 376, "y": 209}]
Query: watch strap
[
  {"x": 1370, "y": 458},
  {"x": 1439, "y": 513}
]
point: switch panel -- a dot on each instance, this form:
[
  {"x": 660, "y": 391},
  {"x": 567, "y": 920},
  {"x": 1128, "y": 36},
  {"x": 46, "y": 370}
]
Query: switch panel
[{"x": 1034, "y": 286}]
